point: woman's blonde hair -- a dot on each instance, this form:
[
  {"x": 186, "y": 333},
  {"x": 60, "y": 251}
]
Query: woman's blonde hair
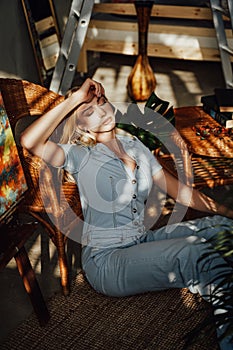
[{"x": 71, "y": 132}]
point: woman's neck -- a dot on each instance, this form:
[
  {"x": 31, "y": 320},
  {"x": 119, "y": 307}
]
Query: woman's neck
[{"x": 106, "y": 137}]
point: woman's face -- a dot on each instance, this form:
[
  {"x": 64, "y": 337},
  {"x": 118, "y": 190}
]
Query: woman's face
[{"x": 96, "y": 115}]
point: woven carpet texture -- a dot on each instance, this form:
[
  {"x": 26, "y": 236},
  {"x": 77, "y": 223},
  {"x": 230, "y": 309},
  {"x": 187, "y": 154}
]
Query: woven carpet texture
[{"x": 86, "y": 320}]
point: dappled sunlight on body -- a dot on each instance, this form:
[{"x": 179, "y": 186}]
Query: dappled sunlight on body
[{"x": 118, "y": 177}]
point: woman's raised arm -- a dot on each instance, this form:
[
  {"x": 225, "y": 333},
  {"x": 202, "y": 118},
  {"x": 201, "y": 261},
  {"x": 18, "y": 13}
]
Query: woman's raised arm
[
  {"x": 35, "y": 137},
  {"x": 188, "y": 196}
]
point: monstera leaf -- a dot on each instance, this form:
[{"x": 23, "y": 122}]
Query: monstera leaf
[
  {"x": 141, "y": 123},
  {"x": 160, "y": 106}
]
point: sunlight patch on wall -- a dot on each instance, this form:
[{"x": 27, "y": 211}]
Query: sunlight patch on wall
[
  {"x": 164, "y": 88},
  {"x": 113, "y": 81},
  {"x": 189, "y": 80}
]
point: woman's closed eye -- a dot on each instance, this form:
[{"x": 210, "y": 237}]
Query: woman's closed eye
[{"x": 90, "y": 110}]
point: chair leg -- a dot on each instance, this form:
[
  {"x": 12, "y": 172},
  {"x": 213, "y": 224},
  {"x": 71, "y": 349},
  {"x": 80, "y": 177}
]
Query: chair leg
[
  {"x": 32, "y": 287},
  {"x": 58, "y": 239},
  {"x": 63, "y": 264}
]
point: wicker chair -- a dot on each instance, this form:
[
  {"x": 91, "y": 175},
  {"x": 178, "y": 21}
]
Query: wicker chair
[{"x": 45, "y": 201}]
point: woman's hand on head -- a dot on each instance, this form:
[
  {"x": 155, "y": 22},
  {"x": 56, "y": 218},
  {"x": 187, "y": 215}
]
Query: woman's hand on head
[
  {"x": 89, "y": 88},
  {"x": 36, "y": 137}
]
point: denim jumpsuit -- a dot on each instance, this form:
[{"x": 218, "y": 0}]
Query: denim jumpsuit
[{"x": 119, "y": 256}]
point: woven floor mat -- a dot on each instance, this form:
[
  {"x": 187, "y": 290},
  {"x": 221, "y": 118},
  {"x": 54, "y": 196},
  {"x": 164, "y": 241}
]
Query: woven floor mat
[{"x": 91, "y": 321}]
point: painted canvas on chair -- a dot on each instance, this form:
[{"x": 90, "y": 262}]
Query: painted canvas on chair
[{"x": 12, "y": 180}]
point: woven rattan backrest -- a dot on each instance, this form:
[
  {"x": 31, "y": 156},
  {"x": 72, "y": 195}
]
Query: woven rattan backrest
[
  {"x": 54, "y": 204},
  {"x": 23, "y": 98}
]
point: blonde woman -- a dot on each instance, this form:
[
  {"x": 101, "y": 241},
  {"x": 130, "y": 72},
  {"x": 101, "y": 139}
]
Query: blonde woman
[{"x": 115, "y": 174}]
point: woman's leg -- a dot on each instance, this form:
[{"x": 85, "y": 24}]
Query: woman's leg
[
  {"x": 206, "y": 227},
  {"x": 165, "y": 259},
  {"x": 150, "y": 263}
]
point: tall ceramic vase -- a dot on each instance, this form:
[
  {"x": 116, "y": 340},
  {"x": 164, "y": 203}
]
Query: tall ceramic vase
[{"x": 141, "y": 81}]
